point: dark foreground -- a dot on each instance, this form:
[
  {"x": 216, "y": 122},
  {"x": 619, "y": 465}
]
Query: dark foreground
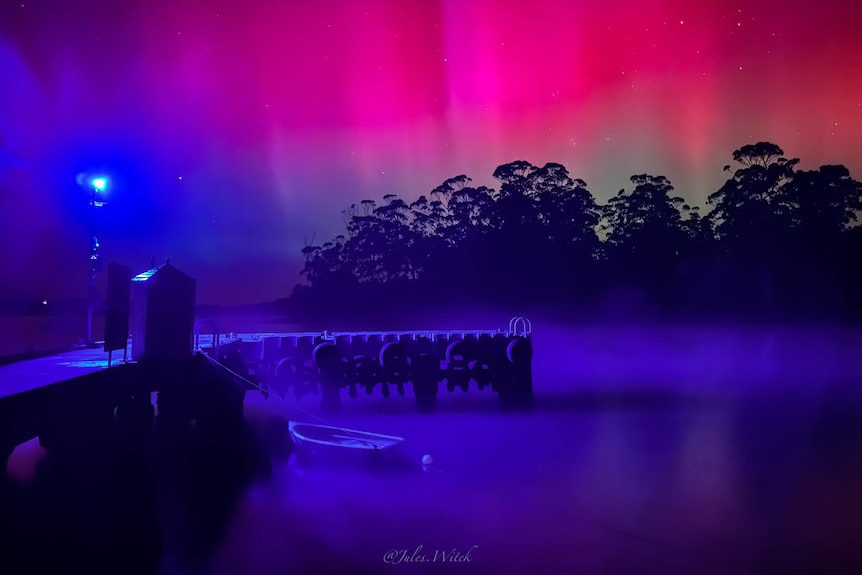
[{"x": 701, "y": 452}]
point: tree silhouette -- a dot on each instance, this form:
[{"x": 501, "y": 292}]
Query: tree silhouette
[
  {"x": 645, "y": 234},
  {"x": 543, "y": 231},
  {"x": 749, "y": 221},
  {"x": 851, "y": 268},
  {"x": 776, "y": 240},
  {"x": 516, "y": 197},
  {"x": 821, "y": 203},
  {"x": 818, "y": 206},
  {"x": 745, "y": 210},
  {"x": 568, "y": 216}
]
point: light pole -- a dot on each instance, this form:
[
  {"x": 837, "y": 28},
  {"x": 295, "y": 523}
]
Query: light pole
[{"x": 98, "y": 185}]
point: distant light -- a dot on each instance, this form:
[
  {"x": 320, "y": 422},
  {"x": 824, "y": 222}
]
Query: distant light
[
  {"x": 44, "y": 302},
  {"x": 100, "y": 183}
]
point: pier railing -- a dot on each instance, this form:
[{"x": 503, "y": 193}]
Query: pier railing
[{"x": 329, "y": 362}]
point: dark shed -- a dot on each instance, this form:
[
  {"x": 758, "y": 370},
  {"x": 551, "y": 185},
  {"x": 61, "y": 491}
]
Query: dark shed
[{"x": 163, "y": 314}]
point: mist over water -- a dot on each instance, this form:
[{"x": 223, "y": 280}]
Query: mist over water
[{"x": 652, "y": 447}]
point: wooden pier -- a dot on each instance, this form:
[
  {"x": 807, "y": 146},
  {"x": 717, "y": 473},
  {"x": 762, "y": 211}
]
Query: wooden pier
[
  {"x": 68, "y": 399},
  {"x": 330, "y": 363},
  {"x": 71, "y": 399}
]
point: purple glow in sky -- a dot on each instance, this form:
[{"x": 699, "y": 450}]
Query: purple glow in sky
[{"x": 232, "y": 131}]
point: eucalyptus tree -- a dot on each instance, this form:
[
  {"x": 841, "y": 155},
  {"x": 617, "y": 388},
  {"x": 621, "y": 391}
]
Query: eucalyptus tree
[
  {"x": 820, "y": 206},
  {"x": 746, "y": 212},
  {"x": 646, "y": 235}
]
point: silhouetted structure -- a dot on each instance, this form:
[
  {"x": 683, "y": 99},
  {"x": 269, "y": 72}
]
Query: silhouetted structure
[
  {"x": 163, "y": 314},
  {"x": 118, "y": 310},
  {"x": 777, "y": 243},
  {"x": 401, "y": 361},
  {"x": 119, "y": 481}
]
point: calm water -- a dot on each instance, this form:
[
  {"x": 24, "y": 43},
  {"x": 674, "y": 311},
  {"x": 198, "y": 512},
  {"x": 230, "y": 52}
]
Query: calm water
[
  {"x": 695, "y": 450},
  {"x": 690, "y": 450}
]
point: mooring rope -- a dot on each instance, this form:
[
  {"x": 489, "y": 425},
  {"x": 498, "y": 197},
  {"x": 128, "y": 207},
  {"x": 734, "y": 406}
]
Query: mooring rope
[
  {"x": 282, "y": 399},
  {"x": 322, "y": 420},
  {"x": 349, "y": 432},
  {"x": 289, "y": 403}
]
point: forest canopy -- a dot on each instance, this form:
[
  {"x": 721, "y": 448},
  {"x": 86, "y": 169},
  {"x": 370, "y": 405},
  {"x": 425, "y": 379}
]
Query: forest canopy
[{"x": 774, "y": 242}]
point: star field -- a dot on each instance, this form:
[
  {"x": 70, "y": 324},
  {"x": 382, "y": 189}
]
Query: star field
[{"x": 235, "y": 130}]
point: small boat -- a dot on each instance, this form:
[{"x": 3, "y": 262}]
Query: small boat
[{"x": 320, "y": 439}]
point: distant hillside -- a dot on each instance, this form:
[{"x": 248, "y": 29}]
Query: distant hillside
[
  {"x": 278, "y": 307},
  {"x": 62, "y": 307},
  {"x": 38, "y": 307}
]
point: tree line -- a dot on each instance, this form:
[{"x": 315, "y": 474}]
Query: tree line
[{"x": 776, "y": 242}]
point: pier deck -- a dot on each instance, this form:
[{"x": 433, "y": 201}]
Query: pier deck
[{"x": 27, "y": 375}]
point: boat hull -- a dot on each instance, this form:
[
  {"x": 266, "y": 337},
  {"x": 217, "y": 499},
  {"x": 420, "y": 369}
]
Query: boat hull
[{"x": 337, "y": 442}]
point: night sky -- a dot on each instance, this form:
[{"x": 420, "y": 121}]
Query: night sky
[{"x": 233, "y": 131}]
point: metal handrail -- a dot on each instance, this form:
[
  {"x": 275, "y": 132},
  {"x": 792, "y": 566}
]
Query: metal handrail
[
  {"x": 215, "y": 334},
  {"x": 517, "y": 326},
  {"x": 523, "y": 321}
]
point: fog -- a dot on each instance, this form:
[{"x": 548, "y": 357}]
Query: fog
[{"x": 653, "y": 446}]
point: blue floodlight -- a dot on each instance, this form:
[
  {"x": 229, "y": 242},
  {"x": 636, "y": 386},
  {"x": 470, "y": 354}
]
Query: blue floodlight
[{"x": 100, "y": 183}]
